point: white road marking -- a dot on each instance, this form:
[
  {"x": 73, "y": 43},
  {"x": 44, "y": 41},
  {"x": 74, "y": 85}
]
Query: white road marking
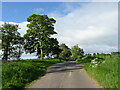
[{"x": 70, "y": 74}]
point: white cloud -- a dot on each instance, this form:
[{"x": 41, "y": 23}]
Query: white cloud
[
  {"x": 23, "y": 27},
  {"x": 94, "y": 26}
]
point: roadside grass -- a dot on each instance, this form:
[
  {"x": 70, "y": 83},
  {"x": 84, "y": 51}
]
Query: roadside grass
[
  {"x": 105, "y": 73},
  {"x": 17, "y": 74}
]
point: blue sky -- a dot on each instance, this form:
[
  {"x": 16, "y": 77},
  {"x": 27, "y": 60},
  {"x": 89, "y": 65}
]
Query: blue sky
[{"x": 19, "y": 11}]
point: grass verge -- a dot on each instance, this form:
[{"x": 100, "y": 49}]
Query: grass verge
[
  {"x": 17, "y": 74},
  {"x": 105, "y": 73}
]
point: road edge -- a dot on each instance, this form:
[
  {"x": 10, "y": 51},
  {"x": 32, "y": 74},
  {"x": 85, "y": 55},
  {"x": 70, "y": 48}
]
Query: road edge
[
  {"x": 92, "y": 79},
  {"x": 32, "y": 82}
]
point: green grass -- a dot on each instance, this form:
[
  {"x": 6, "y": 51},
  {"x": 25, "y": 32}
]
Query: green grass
[
  {"x": 105, "y": 73},
  {"x": 17, "y": 74}
]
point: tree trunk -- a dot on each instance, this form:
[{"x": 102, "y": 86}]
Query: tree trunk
[
  {"x": 5, "y": 56},
  {"x": 41, "y": 51},
  {"x": 41, "y": 56}
]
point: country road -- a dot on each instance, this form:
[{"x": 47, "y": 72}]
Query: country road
[{"x": 65, "y": 75}]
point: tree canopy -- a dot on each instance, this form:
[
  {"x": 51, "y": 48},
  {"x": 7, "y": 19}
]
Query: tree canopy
[
  {"x": 52, "y": 47},
  {"x": 76, "y": 52},
  {"x": 37, "y": 38},
  {"x": 11, "y": 41},
  {"x": 65, "y": 53}
]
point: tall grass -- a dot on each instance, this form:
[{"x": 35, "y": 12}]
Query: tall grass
[
  {"x": 105, "y": 73},
  {"x": 17, "y": 74}
]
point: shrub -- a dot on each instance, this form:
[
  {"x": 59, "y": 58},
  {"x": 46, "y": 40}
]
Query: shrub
[
  {"x": 85, "y": 59},
  {"x": 79, "y": 60},
  {"x": 96, "y": 62}
]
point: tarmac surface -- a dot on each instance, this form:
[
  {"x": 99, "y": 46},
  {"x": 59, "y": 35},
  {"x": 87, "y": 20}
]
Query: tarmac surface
[{"x": 65, "y": 75}]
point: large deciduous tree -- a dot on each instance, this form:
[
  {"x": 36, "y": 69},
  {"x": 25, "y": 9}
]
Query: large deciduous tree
[
  {"x": 65, "y": 53},
  {"x": 76, "y": 52},
  {"x": 37, "y": 38},
  {"x": 11, "y": 41}
]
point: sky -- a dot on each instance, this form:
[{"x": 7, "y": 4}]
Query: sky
[{"x": 91, "y": 25}]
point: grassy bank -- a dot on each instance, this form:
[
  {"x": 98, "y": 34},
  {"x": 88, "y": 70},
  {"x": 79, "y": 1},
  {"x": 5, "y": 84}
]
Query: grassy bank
[
  {"x": 105, "y": 72},
  {"x": 17, "y": 74}
]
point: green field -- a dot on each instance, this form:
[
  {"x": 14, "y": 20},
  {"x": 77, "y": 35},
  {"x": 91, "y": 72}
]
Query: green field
[
  {"x": 17, "y": 74},
  {"x": 105, "y": 72}
]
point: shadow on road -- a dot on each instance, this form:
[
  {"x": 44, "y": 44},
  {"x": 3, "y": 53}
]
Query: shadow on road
[{"x": 64, "y": 67}]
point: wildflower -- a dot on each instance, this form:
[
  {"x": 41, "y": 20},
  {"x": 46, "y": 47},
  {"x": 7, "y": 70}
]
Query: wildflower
[{"x": 103, "y": 62}]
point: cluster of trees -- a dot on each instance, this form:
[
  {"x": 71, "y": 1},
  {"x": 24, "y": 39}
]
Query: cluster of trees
[
  {"x": 73, "y": 53},
  {"x": 11, "y": 41},
  {"x": 36, "y": 40}
]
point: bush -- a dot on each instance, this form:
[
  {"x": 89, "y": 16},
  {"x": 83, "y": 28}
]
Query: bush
[{"x": 85, "y": 59}]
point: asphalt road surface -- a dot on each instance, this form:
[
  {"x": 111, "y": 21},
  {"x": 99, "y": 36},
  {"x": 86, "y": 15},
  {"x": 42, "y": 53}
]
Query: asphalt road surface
[{"x": 65, "y": 75}]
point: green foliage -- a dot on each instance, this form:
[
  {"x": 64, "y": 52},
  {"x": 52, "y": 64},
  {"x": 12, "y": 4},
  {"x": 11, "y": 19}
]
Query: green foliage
[
  {"x": 16, "y": 74},
  {"x": 105, "y": 71},
  {"x": 37, "y": 38},
  {"x": 85, "y": 59},
  {"x": 11, "y": 41},
  {"x": 53, "y": 48},
  {"x": 76, "y": 52},
  {"x": 65, "y": 53}
]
